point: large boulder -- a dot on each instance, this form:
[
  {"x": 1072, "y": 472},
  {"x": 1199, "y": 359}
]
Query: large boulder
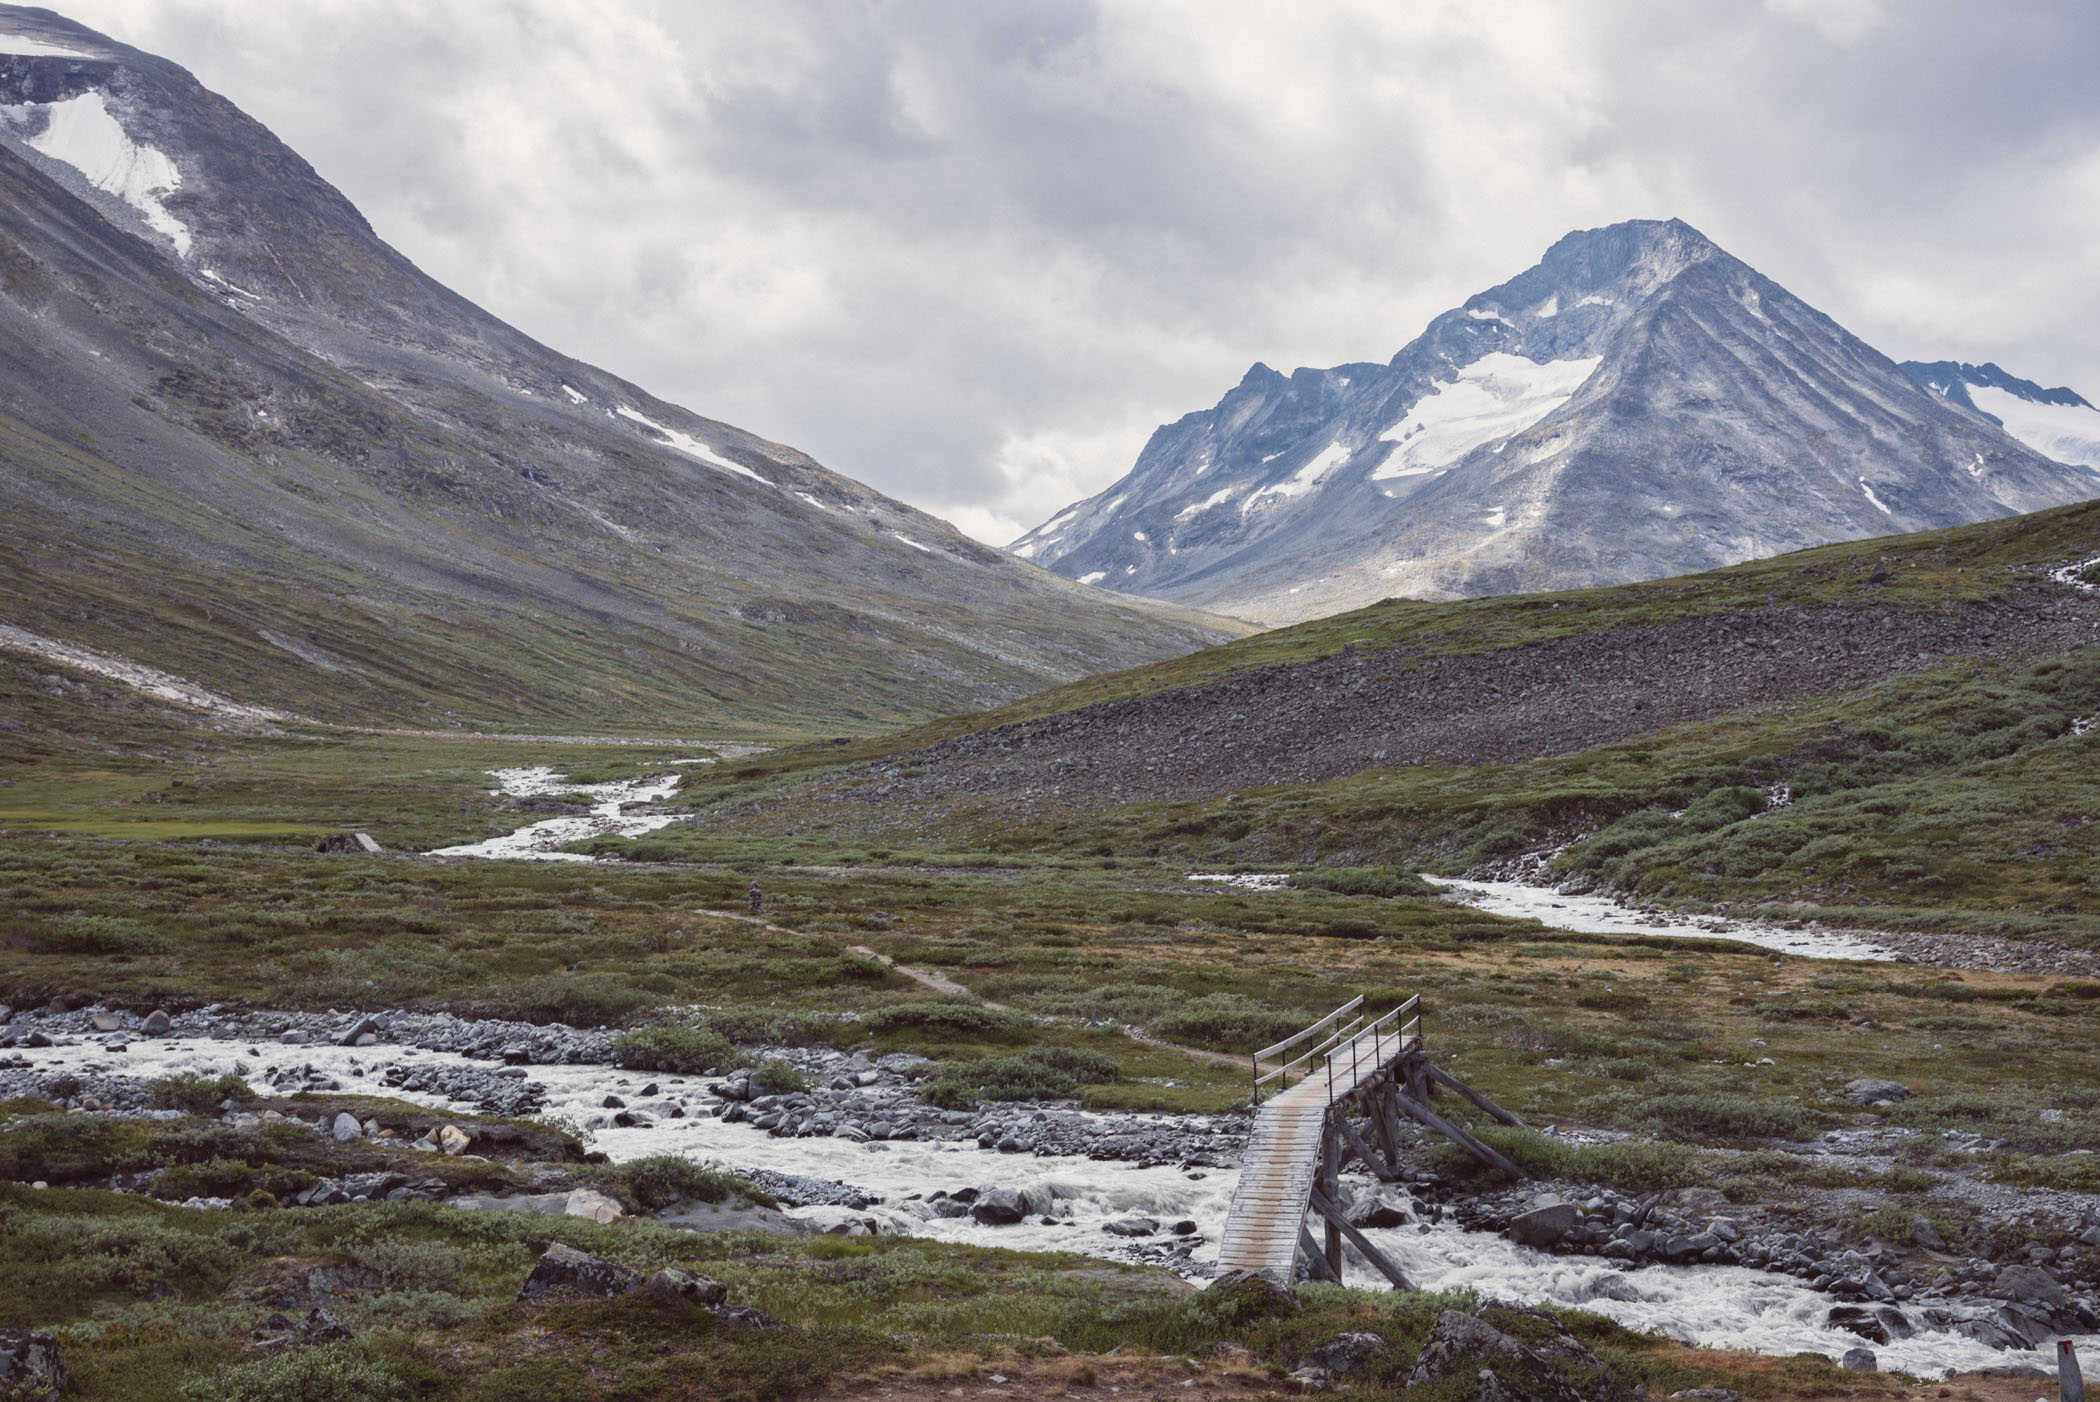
[
  {"x": 1462, "y": 1346},
  {"x": 1544, "y": 1225},
  {"x": 1870, "y": 1090},
  {"x": 30, "y": 1367},
  {"x": 565, "y": 1268},
  {"x": 1379, "y": 1207},
  {"x": 1345, "y": 1353},
  {"x": 1000, "y": 1207},
  {"x": 346, "y": 1128},
  {"x": 1242, "y": 1297},
  {"x": 2028, "y": 1285},
  {"x": 677, "y": 1283}
]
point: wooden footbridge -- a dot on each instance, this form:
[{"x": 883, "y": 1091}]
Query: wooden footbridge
[{"x": 1304, "y": 1135}]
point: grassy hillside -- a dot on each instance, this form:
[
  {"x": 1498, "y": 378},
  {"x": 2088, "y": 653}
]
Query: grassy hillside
[
  {"x": 1924, "y": 572},
  {"x": 1957, "y": 792}
]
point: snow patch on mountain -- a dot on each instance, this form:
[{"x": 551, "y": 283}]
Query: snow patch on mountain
[
  {"x": 1304, "y": 479},
  {"x": 1197, "y": 508},
  {"x": 16, "y": 46},
  {"x": 2067, "y": 432},
  {"x": 1495, "y": 397},
  {"x": 81, "y": 132},
  {"x": 690, "y": 446}
]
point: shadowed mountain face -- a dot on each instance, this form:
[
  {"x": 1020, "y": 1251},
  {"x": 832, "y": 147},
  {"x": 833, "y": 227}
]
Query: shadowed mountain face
[
  {"x": 1639, "y": 404},
  {"x": 243, "y": 439}
]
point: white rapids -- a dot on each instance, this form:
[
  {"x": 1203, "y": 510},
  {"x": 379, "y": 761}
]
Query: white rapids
[
  {"x": 1726, "y": 1307},
  {"x": 541, "y": 841},
  {"x": 1601, "y": 915}
]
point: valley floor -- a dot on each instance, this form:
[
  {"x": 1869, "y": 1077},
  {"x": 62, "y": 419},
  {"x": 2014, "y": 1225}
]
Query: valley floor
[{"x": 1103, "y": 993}]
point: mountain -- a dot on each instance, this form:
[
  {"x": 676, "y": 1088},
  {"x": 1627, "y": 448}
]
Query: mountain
[
  {"x": 244, "y": 440},
  {"x": 1639, "y": 404},
  {"x": 2057, "y": 423}
]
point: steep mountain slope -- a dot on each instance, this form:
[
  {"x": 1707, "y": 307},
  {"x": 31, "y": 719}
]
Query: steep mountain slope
[
  {"x": 1637, "y": 405},
  {"x": 2057, "y": 423},
  {"x": 246, "y": 441}
]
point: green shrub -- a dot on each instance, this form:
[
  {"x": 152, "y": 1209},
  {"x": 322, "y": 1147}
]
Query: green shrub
[
  {"x": 665, "y": 1180},
  {"x": 953, "y": 1018},
  {"x": 1227, "y": 1022},
  {"x": 197, "y": 1095},
  {"x": 1041, "y": 1073},
  {"x": 683, "y": 1049},
  {"x": 1707, "y": 1116},
  {"x": 1364, "y": 881},
  {"x": 228, "y": 1178},
  {"x": 330, "y": 1373},
  {"x": 777, "y": 1077}
]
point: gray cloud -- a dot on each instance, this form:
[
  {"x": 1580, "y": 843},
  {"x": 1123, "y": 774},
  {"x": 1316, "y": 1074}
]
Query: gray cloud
[{"x": 973, "y": 253}]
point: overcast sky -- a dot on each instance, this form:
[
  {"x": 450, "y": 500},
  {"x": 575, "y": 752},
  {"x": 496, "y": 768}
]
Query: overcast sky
[{"x": 972, "y": 251}]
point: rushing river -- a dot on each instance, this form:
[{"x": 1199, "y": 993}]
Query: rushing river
[
  {"x": 1712, "y": 1306},
  {"x": 1601, "y": 915},
  {"x": 541, "y": 841}
]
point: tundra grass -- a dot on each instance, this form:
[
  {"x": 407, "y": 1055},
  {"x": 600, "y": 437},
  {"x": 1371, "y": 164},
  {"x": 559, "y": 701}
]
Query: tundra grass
[
  {"x": 157, "y": 1304},
  {"x": 1961, "y": 799}
]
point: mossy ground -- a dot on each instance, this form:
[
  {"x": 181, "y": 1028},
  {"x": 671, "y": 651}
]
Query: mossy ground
[{"x": 154, "y": 1302}]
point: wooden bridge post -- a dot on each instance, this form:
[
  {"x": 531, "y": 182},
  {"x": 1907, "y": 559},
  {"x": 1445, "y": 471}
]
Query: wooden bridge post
[{"x": 1330, "y": 1184}]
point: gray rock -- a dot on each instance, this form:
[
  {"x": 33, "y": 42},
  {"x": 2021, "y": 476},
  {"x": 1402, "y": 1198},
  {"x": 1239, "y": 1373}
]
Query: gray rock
[
  {"x": 1131, "y": 1226},
  {"x": 30, "y": 1366},
  {"x": 1383, "y": 1206},
  {"x": 1000, "y": 1207},
  {"x": 1545, "y": 1225},
  {"x": 1461, "y": 1346},
  {"x": 744, "y": 1317},
  {"x": 1346, "y": 1353},
  {"x": 678, "y": 1283},
  {"x": 1865, "y": 1090},
  {"x": 1860, "y": 1360},
  {"x": 321, "y": 1327},
  {"x": 347, "y": 1128},
  {"x": 564, "y": 1267},
  {"x": 2029, "y": 1285},
  {"x": 156, "y": 1024}
]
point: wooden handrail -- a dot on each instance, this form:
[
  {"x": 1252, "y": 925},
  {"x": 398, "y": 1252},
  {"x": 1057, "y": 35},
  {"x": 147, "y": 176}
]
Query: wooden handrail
[
  {"x": 1296, "y": 1037},
  {"x": 1356, "y": 1035}
]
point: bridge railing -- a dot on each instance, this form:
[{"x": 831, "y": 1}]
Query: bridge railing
[
  {"x": 1386, "y": 1037},
  {"x": 1300, "y": 1061},
  {"x": 1342, "y": 1038}
]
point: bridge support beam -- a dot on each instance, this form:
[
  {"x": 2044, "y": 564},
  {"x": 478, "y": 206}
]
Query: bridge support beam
[
  {"x": 1415, "y": 1110},
  {"x": 1442, "y": 1077},
  {"x": 1339, "y": 1225},
  {"x": 1371, "y": 1158}
]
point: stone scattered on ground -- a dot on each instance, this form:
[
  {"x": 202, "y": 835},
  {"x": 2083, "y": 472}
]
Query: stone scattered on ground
[
  {"x": 563, "y": 1267},
  {"x": 30, "y": 1366},
  {"x": 678, "y": 1283}
]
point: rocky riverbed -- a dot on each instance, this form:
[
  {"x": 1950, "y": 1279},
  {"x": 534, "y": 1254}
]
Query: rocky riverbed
[{"x": 857, "y": 1152}]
